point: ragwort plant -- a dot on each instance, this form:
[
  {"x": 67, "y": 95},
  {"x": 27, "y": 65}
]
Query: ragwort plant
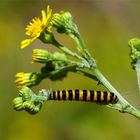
[{"x": 58, "y": 64}]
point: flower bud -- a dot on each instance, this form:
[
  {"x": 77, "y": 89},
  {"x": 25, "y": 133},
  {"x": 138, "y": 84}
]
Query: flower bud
[
  {"x": 27, "y": 79},
  {"x": 18, "y": 103},
  {"x": 63, "y": 22},
  {"x": 41, "y": 56},
  {"x": 134, "y": 43},
  {"x": 135, "y": 51},
  {"x": 31, "y": 108},
  {"x": 25, "y": 92},
  {"x": 28, "y": 105}
]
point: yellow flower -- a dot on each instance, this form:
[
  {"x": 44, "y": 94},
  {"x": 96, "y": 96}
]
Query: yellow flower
[
  {"x": 36, "y": 26},
  {"x": 26, "y": 79}
]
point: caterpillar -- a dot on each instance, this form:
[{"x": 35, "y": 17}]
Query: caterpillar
[{"x": 102, "y": 97}]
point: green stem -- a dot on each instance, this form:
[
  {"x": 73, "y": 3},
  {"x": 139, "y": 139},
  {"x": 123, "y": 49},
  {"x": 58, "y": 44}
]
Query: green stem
[
  {"x": 72, "y": 68},
  {"x": 133, "y": 111},
  {"x": 86, "y": 74},
  {"x": 80, "y": 44},
  {"x": 107, "y": 84},
  {"x": 83, "y": 46},
  {"x": 123, "y": 106},
  {"x": 137, "y": 68},
  {"x": 66, "y": 50},
  {"x": 86, "y": 57}
]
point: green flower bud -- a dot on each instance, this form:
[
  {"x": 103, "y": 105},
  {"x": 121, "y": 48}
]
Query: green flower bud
[
  {"x": 63, "y": 22},
  {"x": 28, "y": 105},
  {"x": 134, "y": 45},
  {"x": 26, "y": 96},
  {"x": 25, "y": 92},
  {"x": 27, "y": 79},
  {"x": 31, "y": 108},
  {"x": 18, "y": 103},
  {"x": 41, "y": 56}
]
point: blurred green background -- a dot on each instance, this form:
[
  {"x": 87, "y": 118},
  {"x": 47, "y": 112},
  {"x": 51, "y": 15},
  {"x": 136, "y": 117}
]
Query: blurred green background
[{"x": 106, "y": 26}]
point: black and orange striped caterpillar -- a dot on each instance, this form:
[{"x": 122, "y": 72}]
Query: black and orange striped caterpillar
[{"x": 102, "y": 97}]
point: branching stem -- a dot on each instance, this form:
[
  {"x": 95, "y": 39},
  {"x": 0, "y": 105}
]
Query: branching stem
[
  {"x": 66, "y": 50},
  {"x": 123, "y": 106}
]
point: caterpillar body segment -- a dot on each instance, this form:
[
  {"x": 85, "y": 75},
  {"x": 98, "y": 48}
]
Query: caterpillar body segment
[{"x": 102, "y": 97}]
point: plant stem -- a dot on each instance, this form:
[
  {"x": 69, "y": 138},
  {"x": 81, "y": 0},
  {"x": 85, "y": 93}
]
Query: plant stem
[
  {"x": 137, "y": 67},
  {"x": 72, "y": 68},
  {"x": 107, "y": 84},
  {"x": 66, "y": 50},
  {"x": 86, "y": 74},
  {"x": 133, "y": 111},
  {"x": 83, "y": 46},
  {"x": 123, "y": 106},
  {"x": 80, "y": 45}
]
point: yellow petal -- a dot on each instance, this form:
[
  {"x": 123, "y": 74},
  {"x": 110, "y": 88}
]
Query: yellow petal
[
  {"x": 17, "y": 80},
  {"x": 19, "y": 74},
  {"x": 49, "y": 13},
  {"x": 27, "y": 42},
  {"x": 48, "y": 9},
  {"x": 44, "y": 17}
]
